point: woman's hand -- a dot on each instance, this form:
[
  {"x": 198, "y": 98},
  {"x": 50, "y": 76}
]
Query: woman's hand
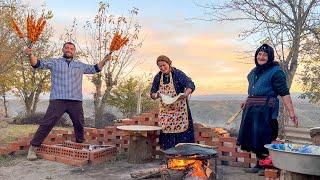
[
  {"x": 294, "y": 118},
  {"x": 184, "y": 96},
  {"x": 288, "y": 104},
  {"x": 242, "y": 105},
  {"x": 155, "y": 95}
]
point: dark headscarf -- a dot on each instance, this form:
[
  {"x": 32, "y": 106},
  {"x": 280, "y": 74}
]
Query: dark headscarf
[{"x": 270, "y": 63}]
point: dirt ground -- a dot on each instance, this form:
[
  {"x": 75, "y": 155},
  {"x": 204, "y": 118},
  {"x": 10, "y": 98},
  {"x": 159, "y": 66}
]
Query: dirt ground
[{"x": 19, "y": 168}]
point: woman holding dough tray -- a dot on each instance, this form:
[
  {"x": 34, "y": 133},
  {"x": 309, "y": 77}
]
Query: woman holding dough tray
[{"x": 175, "y": 118}]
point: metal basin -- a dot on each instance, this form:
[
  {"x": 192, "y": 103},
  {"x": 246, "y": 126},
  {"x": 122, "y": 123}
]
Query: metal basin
[{"x": 304, "y": 163}]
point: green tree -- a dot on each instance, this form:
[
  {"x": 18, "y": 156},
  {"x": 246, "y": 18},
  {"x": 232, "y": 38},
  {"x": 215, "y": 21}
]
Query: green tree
[
  {"x": 29, "y": 83},
  {"x": 311, "y": 79},
  {"x": 126, "y": 97}
]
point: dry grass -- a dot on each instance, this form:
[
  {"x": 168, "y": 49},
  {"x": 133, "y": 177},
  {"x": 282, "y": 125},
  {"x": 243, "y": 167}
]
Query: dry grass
[{"x": 12, "y": 131}]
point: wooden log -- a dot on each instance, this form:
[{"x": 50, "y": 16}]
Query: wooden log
[
  {"x": 147, "y": 173},
  {"x": 170, "y": 174},
  {"x": 140, "y": 149}
]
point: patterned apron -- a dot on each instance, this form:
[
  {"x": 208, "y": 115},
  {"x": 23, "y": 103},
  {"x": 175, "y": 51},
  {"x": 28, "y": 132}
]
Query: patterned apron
[{"x": 173, "y": 118}]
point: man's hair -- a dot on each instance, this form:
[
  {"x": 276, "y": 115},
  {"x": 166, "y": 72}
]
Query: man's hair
[{"x": 69, "y": 43}]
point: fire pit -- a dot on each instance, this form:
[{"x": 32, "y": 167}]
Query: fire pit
[
  {"x": 190, "y": 161},
  {"x": 185, "y": 161}
]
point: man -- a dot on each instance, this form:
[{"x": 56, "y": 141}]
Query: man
[{"x": 66, "y": 92}]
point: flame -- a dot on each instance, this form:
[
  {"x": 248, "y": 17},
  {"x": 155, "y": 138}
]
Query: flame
[
  {"x": 198, "y": 170},
  {"x": 182, "y": 164}
]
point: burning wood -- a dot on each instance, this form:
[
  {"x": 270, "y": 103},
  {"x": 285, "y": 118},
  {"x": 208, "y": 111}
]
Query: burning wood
[
  {"x": 195, "y": 169},
  {"x": 148, "y": 173},
  {"x": 34, "y": 28}
]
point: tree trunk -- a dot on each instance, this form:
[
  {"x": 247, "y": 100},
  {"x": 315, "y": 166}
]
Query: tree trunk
[
  {"x": 140, "y": 149},
  {"x": 139, "y": 93},
  {"x": 290, "y": 68},
  {"x": 28, "y": 105},
  {"x": 5, "y": 104},
  {"x": 97, "y": 81}
]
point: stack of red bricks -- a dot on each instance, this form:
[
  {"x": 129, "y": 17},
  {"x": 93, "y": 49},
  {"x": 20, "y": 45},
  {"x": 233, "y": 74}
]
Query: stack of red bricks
[
  {"x": 229, "y": 152},
  {"x": 120, "y": 138},
  {"x": 77, "y": 154}
]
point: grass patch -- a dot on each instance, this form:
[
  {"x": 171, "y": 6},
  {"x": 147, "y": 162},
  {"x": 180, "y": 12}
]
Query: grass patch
[
  {"x": 7, "y": 160},
  {"x": 14, "y": 131}
]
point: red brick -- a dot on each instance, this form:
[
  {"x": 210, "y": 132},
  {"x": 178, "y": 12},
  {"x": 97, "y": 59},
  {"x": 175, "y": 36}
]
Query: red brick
[
  {"x": 13, "y": 146},
  {"x": 3, "y": 150},
  {"x": 199, "y": 138},
  {"x": 271, "y": 173},
  {"x": 240, "y": 164},
  {"x": 46, "y": 156},
  {"x": 129, "y": 122},
  {"x": 229, "y": 144},
  {"x": 250, "y": 160},
  {"x": 242, "y": 154},
  {"x": 110, "y": 130},
  {"x": 216, "y": 143},
  {"x": 60, "y": 139},
  {"x": 228, "y": 139},
  {"x": 91, "y": 130},
  {"x": 227, "y": 149},
  {"x": 101, "y": 132},
  {"x": 227, "y": 158},
  {"x": 59, "y": 131},
  {"x": 72, "y": 162},
  {"x": 94, "y": 141}
]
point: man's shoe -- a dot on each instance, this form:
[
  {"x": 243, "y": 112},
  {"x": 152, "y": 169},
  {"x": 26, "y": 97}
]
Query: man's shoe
[{"x": 32, "y": 154}]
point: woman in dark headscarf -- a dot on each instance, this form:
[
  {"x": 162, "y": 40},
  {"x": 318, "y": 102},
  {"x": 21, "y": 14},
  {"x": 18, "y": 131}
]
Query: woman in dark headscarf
[
  {"x": 259, "y": 125},
  {"x": 175, "y": 118}
]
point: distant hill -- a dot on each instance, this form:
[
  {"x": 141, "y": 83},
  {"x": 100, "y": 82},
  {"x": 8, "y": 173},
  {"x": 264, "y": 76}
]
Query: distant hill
[
  {"x": 218, "y": 112},
  {"x": 210, "y": 109}
]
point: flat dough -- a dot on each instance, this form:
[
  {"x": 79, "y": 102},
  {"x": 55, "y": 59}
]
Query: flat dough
[{"x": 169, "y": 100}]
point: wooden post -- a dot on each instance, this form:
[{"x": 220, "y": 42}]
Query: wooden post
[{"x": 140, "y": 149}]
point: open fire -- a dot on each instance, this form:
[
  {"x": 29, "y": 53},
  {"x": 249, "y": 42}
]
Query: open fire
[
  {"x": 193, "y": 168},
  {"x": 186, "y": 161}
]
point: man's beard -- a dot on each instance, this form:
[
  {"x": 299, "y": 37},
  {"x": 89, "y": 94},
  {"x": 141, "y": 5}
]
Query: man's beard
[{"x": 67, "y": 56}]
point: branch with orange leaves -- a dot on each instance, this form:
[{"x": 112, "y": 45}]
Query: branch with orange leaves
[
  {"x": 117, "y": 42},
  {"x": 34, "y": 28}
]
